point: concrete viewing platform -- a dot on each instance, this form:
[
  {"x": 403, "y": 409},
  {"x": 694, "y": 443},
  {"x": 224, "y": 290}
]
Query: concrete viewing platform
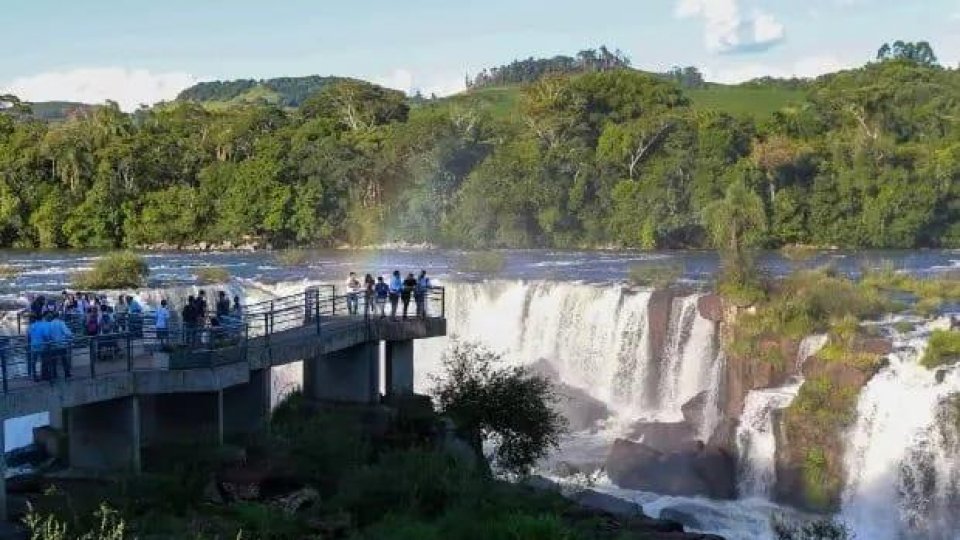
[{"x": 132, "y": 390}]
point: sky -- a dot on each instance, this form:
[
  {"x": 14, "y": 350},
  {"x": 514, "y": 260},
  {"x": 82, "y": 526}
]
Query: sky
[{"x": 136, "y": 51}]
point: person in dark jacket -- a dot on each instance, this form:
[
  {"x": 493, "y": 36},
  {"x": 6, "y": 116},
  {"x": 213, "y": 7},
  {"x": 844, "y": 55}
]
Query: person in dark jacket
[
  {"x": 190, "y": 315},
  {"x": 409, "y": 286}
]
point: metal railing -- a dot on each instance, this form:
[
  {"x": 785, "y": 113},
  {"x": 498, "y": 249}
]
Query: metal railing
[{"x": 136, "y": 344}]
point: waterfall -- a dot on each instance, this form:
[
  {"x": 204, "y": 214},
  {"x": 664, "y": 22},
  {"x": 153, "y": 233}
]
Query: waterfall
[
  {"x": 598, "y": 339},
  {"x": 756, "y": 443},
  {"x": 903, "y": 454}
]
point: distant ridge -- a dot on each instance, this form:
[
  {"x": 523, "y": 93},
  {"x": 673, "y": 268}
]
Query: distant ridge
[{"x": 281, "y": 91}]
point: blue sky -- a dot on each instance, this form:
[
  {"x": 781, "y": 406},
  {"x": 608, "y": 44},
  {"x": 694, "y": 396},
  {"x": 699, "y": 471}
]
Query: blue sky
[{"x": 137, "y": 51}]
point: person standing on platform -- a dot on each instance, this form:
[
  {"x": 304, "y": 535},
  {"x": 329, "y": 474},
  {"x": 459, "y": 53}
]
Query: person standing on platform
[
  {"x": 396, "y": 287},
  {"x": 409, "y": 286}
]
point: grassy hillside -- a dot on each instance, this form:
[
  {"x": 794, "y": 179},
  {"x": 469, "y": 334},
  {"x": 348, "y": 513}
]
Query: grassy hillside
[
  {"x": 283, "y": 91},
  {"x": 55, "y": 111},
  {"x": 499, "y": 101},
  {"x": 740, "y": 100}
]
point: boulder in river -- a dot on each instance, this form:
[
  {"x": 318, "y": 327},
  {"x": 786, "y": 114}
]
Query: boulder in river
[{"x": 698, "y": 470}]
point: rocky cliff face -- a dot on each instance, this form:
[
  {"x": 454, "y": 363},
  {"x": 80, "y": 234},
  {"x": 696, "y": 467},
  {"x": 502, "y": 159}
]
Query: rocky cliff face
[{"x": 810, "y": 434}]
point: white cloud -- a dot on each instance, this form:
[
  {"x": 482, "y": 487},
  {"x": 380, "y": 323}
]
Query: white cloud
[
  {"x": 431, "y": 83},
  {"x": 727, "y": 30},
  {"x": 128, "y": 87},
  {"x": 810, "y": 66}
]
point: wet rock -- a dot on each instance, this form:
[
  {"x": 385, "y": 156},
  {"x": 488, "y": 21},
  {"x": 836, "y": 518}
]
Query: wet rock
[
  {"x": 682, "y": 517},
  {"x": 594, "y": 500},
  {"x": 295, "y": 502},
  {"x": 539, "y": 483},
  {"x": 664, "y": 436},
  {"x": 582, "y": 411},
  {"x": 693, "y": 409},
  {"x": 711, "y": 307},
  {"x": 212, "y": 493},
  {"x": 699, "y": 470},
  {"x": 747, "y": 373}
]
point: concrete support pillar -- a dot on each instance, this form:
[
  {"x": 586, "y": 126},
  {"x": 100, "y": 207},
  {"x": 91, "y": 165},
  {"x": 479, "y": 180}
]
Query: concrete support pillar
[
  {"x": 57, "y": 420},
  {"x": 347, "y": 376},
  {"x": 399, "y": 367},
  {"x": 3, "y": 471},
  {"x": 220, "y": 417},
  {"x": 246, "y": 407},
  {"x": 105, "y": 436}
]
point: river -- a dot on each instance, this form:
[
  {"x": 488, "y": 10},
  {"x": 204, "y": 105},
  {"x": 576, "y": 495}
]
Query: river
[{"x": 571, "y": 308}]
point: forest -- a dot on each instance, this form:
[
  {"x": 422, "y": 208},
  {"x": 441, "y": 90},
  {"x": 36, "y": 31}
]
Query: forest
[{"x": 613, "y": 157}]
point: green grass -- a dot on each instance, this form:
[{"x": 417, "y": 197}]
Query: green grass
[
  {"x": 742, "y": 101},
  {"x": 502, "y": 102},
  {"x": 943, "y": 349},
  {"x": 118, "y": 270}
]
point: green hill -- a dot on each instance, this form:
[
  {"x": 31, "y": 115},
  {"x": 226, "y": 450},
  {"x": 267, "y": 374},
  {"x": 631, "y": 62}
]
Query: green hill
[
  {"x": 282, "y": 91},
  {"x": 745, "y": 99},
  {"x": 55, "y": 111},
  {"x": 755, "y": 99}
]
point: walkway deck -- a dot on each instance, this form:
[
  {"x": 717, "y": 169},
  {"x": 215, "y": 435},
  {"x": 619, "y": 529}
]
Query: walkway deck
[{"x": 275, "y": 333}]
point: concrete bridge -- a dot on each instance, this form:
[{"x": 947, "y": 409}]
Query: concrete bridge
[{"x": 130, "y": 390}]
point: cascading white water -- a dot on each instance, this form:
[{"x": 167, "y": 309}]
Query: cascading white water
[
  {"x": 756, "y": 443},
  {"x": 903, "y": 453},
  {"x": 596, "y": 337}
]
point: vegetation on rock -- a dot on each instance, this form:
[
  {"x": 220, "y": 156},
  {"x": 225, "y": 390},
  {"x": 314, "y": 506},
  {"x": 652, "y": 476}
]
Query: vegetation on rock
[
  {"x": 120, "y": 270},
  {"x": 212, "y": 275},
  {"x": 483, "y": 262},
  {"x": 943, "y": 348},
  {"x": 657, "y": 276}
]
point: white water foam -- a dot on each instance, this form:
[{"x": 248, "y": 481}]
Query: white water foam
[{"x": 903, "y": 453}]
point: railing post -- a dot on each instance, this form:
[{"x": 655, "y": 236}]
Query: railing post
[
  {"x": 271, "y": 316},
  {"x": 94, "y": 349},
  {"x": 129, "y": 354},
  {"x": 3, "y": 364},
  {"x": 316, "y": 309},
  {"x": 443, "y": 302},
  {"x": 266, "y": 326}
]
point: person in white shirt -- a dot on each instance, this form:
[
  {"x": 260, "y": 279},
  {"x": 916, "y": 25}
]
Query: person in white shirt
[
  {"x": 163, "y": 323},
  {"x": 353, "y": 293}
]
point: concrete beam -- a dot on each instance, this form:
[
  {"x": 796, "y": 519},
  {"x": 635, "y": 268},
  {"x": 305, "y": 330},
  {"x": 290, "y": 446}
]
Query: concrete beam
[
  {"x": 399, "y": 367},
  {"x": 347, "y": 376}
]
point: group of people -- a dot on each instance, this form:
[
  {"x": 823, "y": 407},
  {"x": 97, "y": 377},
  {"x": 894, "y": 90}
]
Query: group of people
[
  {"x": 91, "y": 315},
  {"x": 398, "y": 291},
  {"x": 196, "y": 315}
]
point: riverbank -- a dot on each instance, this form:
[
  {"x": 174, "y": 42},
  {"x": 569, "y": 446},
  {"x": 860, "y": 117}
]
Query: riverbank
[{"x": 395, "y": 471}]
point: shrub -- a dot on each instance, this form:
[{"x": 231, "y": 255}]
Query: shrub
[
  {"x": 119, "y": 270},
  {"x": 418, "y": 483},
  {"x": 798, "y": 253},
  {"x": 740, "y": 281},
  {"x": 8, "y": 271},
  {"x": 815, "y": 530},
  {"x": 322, "y": 447},
  {"x": 658, "y": 276},
  {"x": 510, "y": 406},
  {"x": 943, "y": 348},
  {"x": 110, "y": 526},
  {"x": 483, "y": 262},
  {"x": 211, "y": 275},
  {"x": 293, "y": 257}
]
